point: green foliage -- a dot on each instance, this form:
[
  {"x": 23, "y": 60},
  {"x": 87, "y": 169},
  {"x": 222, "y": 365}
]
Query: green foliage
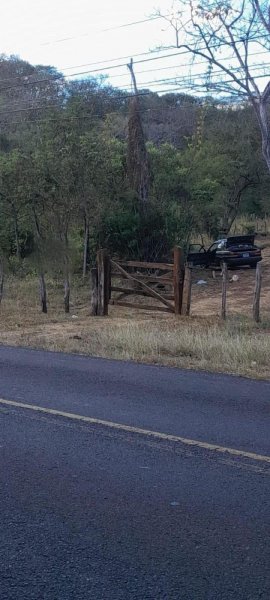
[
  {"x": 144, "y": 236},
  {"x": 66, "y": 167}
]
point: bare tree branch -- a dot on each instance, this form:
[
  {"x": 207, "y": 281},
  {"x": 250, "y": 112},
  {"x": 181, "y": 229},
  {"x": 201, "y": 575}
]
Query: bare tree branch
[
  {"x": 265, "y": 21},
  {"x": 205, "y": 28}
]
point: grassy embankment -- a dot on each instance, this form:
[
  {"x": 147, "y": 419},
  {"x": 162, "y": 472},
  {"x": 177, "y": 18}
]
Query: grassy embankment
[{"x": 238, "y": 346}]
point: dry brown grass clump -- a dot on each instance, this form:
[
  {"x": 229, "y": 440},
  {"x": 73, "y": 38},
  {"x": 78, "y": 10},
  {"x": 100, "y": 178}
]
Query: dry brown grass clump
[{"x": 238, "y": 346}]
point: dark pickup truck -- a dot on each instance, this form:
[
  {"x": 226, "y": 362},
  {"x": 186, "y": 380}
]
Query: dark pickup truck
[{"x": 236, "y": 251}]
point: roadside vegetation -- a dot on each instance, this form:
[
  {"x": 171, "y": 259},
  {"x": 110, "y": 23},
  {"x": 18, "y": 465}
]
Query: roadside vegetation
[
  {"x": 238, "y": 346},
  {"x": 84, "y": 166}
]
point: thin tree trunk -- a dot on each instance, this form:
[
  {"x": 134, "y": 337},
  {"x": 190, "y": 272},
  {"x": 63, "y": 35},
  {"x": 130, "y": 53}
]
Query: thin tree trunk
[
  {"x": 188, "y": 282},
  {"x": 42, "y": 283},
  {"x": 67, "y": 277},
  {"x": 257, "y": 293},
  {"x": 16, "y": 232},
  {"x": 263, "y": 118},
  {"x": 43, "y": 293},
  {"x": 1, "y": 281},
  {"x": 224, "y": 290},
  {"x": 94, "y": 292},
  {"x": 86, "y": 246},
  {"x": 67, "y": 293}
]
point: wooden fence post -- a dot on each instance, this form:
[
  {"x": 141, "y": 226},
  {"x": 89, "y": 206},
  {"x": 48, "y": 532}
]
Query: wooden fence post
[
  {"x": 188, "y": 287},
  {"x": 103, "y": 269},
  {"x": 178, "y": 279},
  {"x": 224, "y": 289},
  {"x": 42, "y": 292},
  {"x": 257, "y": 293},
  {"x": 94, "y": 291}
]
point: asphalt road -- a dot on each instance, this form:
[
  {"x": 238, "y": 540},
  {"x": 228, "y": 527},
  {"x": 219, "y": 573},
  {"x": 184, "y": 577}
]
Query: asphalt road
[{"x": 91, "y": 512}]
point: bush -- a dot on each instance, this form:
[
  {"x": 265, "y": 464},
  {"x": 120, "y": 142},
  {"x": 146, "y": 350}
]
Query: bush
[{"x": 144, "y": 236}]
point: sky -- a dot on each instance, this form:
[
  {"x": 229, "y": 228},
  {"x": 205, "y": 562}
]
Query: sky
[
  {"x": 72, "y": 35},
  {"x": 65, "y": 33}
]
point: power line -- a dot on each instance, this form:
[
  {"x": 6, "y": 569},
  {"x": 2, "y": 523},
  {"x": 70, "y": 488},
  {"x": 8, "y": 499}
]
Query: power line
[
  {"x": 107, "y": 68},
  {"x": 123, "y": 97},
  {"x": 76, "y": 37},
  {"x": 177, "y": 66},
  {"x": 189, "y": 78},
  {"x": 161, "y": 109},
  {"x": 154, "y": 18}
]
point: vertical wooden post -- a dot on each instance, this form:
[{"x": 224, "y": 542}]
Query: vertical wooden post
[
  {"x": 257, "y": 293},
  {"x": 188, "y": 288},
  {"x": 178, "y": 279},
  {"x": 94, "y": 291},
  {"x": 43, "y": 293},
  {"x": 224, "y": 289},
  {"x": 103, "y": 268},
  {"x": 67, "y": 294}
]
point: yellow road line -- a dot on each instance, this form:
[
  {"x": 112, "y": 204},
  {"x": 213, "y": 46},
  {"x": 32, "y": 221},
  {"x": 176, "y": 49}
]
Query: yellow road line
[{"x": 130, "y": 429}]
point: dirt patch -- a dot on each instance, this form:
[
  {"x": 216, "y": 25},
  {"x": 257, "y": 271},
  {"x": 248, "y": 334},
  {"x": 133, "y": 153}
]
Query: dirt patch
[{"x": 206, "y": 299}]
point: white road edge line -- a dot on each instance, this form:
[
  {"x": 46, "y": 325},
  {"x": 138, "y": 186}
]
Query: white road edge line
[{"x": 138, "y": 430}]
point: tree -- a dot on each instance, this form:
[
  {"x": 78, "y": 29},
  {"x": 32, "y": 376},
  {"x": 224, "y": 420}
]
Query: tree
[
  {"x": 263, "y": 10},
  {"x": 227, "y": 36},
  {"x": 138, "y": 164}
]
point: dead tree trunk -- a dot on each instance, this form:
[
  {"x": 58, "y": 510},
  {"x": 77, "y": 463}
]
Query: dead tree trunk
[{"x": 137, "y": 156}]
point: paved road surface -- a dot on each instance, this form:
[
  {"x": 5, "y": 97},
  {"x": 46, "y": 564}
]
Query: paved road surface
[{"x": 91, "y": 512}]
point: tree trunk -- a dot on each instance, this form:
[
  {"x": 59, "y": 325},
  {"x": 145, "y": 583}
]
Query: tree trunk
[
  {"x": 67, "y": 293},
  {"x": 42, "y": 283},
  {"x": 104, "y": 282},
  {"x": 178, "y": 279},
  {"x": 66, "y": 280},
  {"x": 1, "y": 280},
  {"x": 263, "y": 119},
  {"x": 257, "y": 293},
  {"x": 86, "y": 246},
  {"x": 188, "y": 286},
  {"x": 43, "y": 293},
  {"x": 16, "y": 232},
  {"x": 94, "y": 292},
  {"x": 224, "y": 290}
]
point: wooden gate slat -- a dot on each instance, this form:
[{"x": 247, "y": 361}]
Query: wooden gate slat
[
  {"x": 142, "y": 306},
  {"x": 146, "y": 265},
  {"x": 162, "y": 279},
  {"x": 150, "y": 291}
]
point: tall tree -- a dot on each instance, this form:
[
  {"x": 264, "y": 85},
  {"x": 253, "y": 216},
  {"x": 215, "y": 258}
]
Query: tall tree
[
  {"x": 227, "y": 36},
  {"x": 138, "y": 163}
]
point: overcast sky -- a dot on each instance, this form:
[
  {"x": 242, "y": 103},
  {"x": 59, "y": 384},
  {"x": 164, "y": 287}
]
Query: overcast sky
[
  {"x": 68, "y": 34},
  {"x": 39, "y": 31}
]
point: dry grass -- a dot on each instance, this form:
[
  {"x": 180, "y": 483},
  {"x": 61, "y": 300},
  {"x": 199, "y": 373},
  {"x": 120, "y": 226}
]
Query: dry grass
[
  {"x": 203, "y": 343},
  {"x": 248, "y": 223}
]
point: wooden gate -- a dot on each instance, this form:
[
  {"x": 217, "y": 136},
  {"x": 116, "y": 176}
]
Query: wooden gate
[{"x": 162, "y": 282}]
